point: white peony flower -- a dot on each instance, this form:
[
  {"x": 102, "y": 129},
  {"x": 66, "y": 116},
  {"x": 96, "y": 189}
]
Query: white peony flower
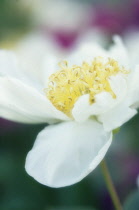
[{"x": 84, "y": 97}]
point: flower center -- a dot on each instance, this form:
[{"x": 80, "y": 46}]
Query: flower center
[{"x": 69, "y": 83}]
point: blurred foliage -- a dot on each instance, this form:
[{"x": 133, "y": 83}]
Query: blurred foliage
[
  {"x": 132, "y": 202},
  {"x": 72, "y": 208},
  {"x": 102, "y": 1},
  {"x": 15, "y": 19}
]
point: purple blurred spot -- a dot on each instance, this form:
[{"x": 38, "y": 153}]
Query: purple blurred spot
[
  {"x": 109, "y": 19},
  {"x": 65, "y": 39},
  {"x": 8, "y": 126},
  {"x": 134, "y": 17}
]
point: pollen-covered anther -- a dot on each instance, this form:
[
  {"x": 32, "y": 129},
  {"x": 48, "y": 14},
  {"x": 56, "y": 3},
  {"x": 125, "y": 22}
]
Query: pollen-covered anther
[{"x": 69, "y": 83}]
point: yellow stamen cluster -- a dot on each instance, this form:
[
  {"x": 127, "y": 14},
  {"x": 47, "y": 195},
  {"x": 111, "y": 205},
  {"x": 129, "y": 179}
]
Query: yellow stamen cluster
[{"x": 69, "y": 83}]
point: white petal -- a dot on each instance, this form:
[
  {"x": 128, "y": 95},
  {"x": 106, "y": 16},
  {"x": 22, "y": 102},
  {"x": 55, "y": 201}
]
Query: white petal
[
  {"x": 133, "y": 93},
  {"x": 31, "y": 52},
  {"x": 86, "y": 52},
  {"x": 65, "y": 153},
  {"x": 119, "y": 86},
  {"x": 134, "y": 78},
  {"x": 120, "y": 112},
  {"x": 8, "y": 64},
  {"x": 83, "y": 109},
  {"x": 9, "y": 67},
  {"x": 131, "y": 39},
  {"x": 50, "y": 66},
  {"x": 93, "y": 35},
  {"x": 19, "y": 98},
  {"x": 17, "y": 114},
  {"x": 117, "y": 116},
  {"x": 119, "y": 52}
]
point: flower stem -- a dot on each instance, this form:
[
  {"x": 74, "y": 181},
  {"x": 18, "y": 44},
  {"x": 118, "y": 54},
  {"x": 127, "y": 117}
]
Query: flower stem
[{"x": 110, "y": 186}]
